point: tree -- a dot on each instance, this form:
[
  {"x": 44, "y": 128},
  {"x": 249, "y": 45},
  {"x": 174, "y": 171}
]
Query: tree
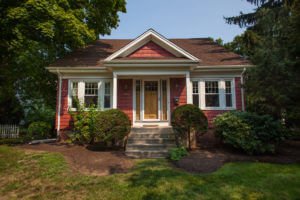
[
  {"x": 272, "y": 41},
  {"x": 34, "y": 34}
]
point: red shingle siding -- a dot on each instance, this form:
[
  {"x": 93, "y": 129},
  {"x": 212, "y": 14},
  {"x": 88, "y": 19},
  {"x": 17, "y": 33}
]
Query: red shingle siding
[
  {"x": 211, "y": 114},
  {"x": 125, "y": 96},
  {"x": 177, "y": 89},
  {"x": 65, "y": 118},
  {"x": 151, "y": 50},
  {"x": 238, "y": 94}
]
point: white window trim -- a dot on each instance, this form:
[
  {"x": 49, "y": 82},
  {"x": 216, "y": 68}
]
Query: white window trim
[
  {"x": 222, "y": 99},
  {"x": 81, "y": 92}
]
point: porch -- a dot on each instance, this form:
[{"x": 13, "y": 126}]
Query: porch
[{"x": 149, "y": 98}]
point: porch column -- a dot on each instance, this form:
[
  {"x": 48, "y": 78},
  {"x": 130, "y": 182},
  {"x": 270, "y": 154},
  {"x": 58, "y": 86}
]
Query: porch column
[
  {"x": 189, "y": 96},
  {"x": 115, "y": 90}
]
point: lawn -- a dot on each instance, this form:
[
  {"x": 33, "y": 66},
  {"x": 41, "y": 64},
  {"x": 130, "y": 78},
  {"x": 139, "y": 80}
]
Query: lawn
[{"x": 47, "y": 176}]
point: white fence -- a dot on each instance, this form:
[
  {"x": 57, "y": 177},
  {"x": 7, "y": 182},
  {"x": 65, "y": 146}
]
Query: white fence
[{"x": 9, "y": 131}]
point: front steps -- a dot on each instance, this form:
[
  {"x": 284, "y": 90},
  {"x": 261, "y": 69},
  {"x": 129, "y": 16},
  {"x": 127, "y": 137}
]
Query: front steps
[{"x": 152, "y": 142}]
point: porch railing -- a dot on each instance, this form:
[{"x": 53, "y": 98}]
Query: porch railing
[{"x": 9, "y": 131}]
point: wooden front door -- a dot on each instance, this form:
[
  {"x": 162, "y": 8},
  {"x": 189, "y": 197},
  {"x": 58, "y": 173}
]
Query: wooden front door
[{"x": 151, "y": 100}]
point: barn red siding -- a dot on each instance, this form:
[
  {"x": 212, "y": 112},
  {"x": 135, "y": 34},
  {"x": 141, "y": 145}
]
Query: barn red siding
[
  {"x": 238, "y": 93},
  {"x": 65, "y": 118},
  {"x": 177, "y": 89},
  {"x": 125, "y": 96},
  {"x": 151, "y": 50}
]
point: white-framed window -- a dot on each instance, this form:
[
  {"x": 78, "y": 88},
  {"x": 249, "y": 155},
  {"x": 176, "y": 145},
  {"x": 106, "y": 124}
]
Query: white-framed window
[
  {"x": 214, "y": 94},
  {"x": 74, "y": 94},
  {"x": 196, "y": 98},
  {"x": 107, "y": 95},
  {"x": 90, "y": 92}
]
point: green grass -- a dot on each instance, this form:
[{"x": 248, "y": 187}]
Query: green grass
[{"x": 47, "y": 176}]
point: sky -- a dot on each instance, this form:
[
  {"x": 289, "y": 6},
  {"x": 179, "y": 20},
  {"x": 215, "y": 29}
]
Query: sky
[{"x": 181, "y": 18}]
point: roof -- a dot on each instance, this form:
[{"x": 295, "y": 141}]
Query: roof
[{"x": 93, "y": 55}]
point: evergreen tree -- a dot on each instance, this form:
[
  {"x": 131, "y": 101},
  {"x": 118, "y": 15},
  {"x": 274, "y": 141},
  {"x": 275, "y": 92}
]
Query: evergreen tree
[{"x": 272, "y": 42}]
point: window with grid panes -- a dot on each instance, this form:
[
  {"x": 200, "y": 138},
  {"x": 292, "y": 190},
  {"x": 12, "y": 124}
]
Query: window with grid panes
[
  {"x": 91, "y": 94},
  {"x": 212, "y": 94},
  {"x": 228, "y": 93},
  {"x": 196, "y": 93}
]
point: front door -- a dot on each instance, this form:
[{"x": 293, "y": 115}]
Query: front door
[{"x": 151, "y": 97}]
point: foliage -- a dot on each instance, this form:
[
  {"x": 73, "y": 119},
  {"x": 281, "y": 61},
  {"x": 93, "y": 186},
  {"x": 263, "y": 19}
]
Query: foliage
[
  {"x": 178, "y": 153},
  {"x": 272, "y": 42},
  {"x": 250, "y": 132},
  {"x": 34, "y": 34},
  {"x": 14, "y": 141},
  {"x": 112, "y": 126},
  {"x": 149, "y": 179},
  {"x": 185, "y": 119},
  {"x": 84, "y": 122},
  {"x": 39, "y": 130}
]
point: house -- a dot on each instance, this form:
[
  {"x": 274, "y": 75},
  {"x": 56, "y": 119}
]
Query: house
[{"x": 148, "y": 77}]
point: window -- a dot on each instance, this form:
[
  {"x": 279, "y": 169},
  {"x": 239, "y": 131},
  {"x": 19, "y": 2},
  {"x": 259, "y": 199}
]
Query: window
[
  {"x": 74, "y": 94},
  {"x": 212, "y": 94},
  {"x": 91, "y": 94},
  {"x": 107, "y": 95},
  {"x": 195, "y": 93},
  {"x": 228, "y": 93}
]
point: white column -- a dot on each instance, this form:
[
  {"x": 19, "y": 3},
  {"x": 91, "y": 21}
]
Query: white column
[
  {"x": 189, "y": 97},
  {"x": 115, "y": 90}
]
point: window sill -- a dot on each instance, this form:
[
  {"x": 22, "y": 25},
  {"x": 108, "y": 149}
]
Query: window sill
[{"x": 218, "y": 108}]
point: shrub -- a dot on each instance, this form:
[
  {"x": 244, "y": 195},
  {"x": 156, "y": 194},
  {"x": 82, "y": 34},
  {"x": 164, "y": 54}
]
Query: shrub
[
  {"x": 112, "y": 126},
  {"x": 39, "y": 130},
  {"x": 250, "y": 132},
  {"x": 84, "y": 121},
  {"x": 178, "y": 153},
  {"x": 185, "y": 119}
]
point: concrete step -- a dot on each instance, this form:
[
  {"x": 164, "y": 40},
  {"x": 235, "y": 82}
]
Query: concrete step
[
  {"x": 151, "y": 136},
  {"x": 150, "y": 141},
  {"x": 143, "y": 130},
  {"x": 147, "y": 154},
  {"x": 149, "y": 147}
]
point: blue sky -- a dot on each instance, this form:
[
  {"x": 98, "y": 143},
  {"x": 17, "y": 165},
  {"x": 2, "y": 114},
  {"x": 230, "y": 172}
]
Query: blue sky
[{"x": 181, "y": 18}]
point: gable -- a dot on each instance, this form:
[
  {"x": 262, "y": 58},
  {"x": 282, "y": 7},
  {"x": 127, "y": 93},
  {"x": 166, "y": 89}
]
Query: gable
[
  {"x": 150, "y": 44},
  {"x": 151, "y": 50}
]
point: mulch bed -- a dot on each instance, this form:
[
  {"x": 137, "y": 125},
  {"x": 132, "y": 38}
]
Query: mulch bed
[
  {"x": 87, "y": 161},
  {"x": 211, "y": 155}
]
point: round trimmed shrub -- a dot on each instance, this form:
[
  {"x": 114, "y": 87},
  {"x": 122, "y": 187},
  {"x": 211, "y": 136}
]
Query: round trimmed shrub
[
  {"x": 252, "y": 133},
  {"x": 39, "y": 130},
  {"x": 187, "y": 119},
  {"x": 112, "y": 126}
]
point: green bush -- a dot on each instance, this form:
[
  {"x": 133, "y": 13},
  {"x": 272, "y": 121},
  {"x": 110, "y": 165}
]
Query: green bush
[
  {"x": 14, "y": 141},
  {"x": 250, "y": 132},
  {"x": 39, "y": 130},
  {"x": 187, "y": 119},
  {"x": 112, "y": 126},
  {"x": 84, "y": 121},
  {"x": 178, "y": 153}
]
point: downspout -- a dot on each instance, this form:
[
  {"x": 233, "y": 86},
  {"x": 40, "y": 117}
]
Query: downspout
[
  {"x": 59, "y": 103},
  {"x": 242, "y": 89}
]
